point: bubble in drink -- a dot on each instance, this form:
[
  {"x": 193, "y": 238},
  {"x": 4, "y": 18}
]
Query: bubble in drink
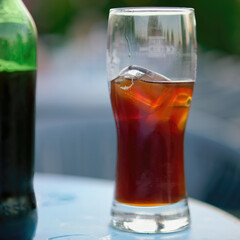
[{"x": 150, "y": 111}]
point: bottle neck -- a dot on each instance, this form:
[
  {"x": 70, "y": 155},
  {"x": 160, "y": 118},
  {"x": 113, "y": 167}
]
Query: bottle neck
[
  {"x": 12, "y": 11},
  {"x": 17, "y": 37},
  {"x": 9, "y": 1}
]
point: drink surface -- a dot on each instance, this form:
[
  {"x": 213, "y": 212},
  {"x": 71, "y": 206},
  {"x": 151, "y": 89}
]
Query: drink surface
[
  {"x": 17, "y": 112},
  {"x": 150, "y": 118}
]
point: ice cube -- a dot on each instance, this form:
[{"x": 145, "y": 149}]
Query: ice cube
[
  {"x": 135, "y": 83},
  {"x": 135, "y": 72},
  {"x": 182, "y": 121},
  {"x": 182, "y": 100}
]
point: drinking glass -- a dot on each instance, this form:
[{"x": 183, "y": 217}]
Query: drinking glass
[{"x": 151, "y": 64}]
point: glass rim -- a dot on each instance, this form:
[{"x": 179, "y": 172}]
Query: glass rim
[{"x": 151, "y": 11}]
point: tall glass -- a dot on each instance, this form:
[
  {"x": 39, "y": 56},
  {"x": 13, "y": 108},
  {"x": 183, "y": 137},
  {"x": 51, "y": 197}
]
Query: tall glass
[{"x": 151, "y": 63}]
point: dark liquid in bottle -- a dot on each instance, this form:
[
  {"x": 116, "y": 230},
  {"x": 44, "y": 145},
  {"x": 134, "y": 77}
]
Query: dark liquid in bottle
[
  {"x": 150, "y": 119},
  {"x": 18, "y": 216}
]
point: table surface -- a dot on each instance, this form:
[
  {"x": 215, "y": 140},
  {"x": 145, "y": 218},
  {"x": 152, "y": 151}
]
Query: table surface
[{"x": 76, "y": 208}]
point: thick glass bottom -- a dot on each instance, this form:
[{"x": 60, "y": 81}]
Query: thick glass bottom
[{"x": 158, "y": 219}]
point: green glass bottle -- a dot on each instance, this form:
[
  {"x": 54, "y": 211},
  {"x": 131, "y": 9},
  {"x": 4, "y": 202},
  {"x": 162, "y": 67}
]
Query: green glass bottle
[{"x": 18, "y": 217}]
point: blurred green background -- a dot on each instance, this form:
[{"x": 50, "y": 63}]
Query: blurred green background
[{"x": 217, "y": 21}]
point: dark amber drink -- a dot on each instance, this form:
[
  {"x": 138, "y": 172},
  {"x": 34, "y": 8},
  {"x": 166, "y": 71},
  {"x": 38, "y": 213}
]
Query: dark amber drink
[{"x": 150, "y": 119}]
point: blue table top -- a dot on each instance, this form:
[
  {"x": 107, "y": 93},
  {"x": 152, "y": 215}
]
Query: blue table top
[{"x": 74, "y": 208}]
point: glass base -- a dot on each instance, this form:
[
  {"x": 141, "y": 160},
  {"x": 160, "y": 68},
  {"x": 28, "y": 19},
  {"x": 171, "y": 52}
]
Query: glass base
[{"x": 158, "y": 219}]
